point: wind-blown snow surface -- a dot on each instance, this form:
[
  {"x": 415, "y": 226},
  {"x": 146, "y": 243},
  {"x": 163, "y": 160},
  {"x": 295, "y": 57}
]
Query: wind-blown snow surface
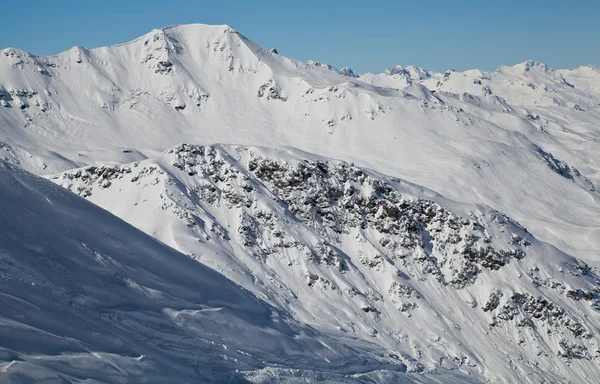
[
  {"x": 521, "y": 142},
  {"x": 86, "y": 297}
]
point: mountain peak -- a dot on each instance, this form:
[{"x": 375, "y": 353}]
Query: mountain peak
[
  {"x": 526, "y": 66},
  {"x": 395, "y": 70},
  {"x": 349, "y": 72},
  {"x": 197, "y": 27},
  {"x": 329, "y": 67}
]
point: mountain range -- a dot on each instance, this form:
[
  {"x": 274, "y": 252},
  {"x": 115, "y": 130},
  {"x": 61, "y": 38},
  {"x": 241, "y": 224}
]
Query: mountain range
[{"x": 282, "y": 221}]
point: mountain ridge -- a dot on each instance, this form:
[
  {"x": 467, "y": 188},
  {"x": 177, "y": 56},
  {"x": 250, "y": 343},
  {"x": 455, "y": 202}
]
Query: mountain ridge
[
  {"x": 231, "y": 95},
  {"x": 233, "y": 30}
]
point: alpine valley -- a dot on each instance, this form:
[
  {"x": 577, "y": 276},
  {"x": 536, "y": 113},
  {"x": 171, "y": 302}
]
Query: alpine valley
[{"x": 252, "y": 218}]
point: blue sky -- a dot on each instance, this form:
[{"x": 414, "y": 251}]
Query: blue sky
[{"x": 366, "y": 35}]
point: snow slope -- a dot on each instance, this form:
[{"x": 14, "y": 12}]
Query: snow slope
[
  {"x": 556, "y": 110},
  {"x": 87, "y": 298},
  {"x": 209, "y": 84},
  {"x": 358, "y": 254}
]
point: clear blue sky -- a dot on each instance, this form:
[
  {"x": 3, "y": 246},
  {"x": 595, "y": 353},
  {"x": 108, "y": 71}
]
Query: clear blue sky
[{"x": 367, "y": 35}]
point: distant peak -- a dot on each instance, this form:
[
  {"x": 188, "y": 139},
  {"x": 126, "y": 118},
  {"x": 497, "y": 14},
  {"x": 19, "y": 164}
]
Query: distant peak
[
  {"x": 396, "y": 70},
  {"x": 536, "y": 64},
  {"x": 411, "y": 72},
  {"x": 322, "y": 65},
  {"x": 349, "y": 72},
  {"x": 528, "y": 65},
  {"x": 417, "y": 73}
]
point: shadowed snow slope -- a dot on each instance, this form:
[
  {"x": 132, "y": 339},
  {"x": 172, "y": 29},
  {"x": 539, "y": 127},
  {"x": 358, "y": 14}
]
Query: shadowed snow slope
[{"x": 86, "y": 296}]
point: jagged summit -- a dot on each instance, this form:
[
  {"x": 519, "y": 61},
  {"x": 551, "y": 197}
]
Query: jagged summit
[
  {"x": 347, "y": 71},
  {"x": 396, "y": 69}
]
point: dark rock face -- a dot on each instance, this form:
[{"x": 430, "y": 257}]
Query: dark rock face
[
  {"x": 164, "y": 67},
  {"x": 271, "y": 91},
  {"x": 331, "y": 198}
]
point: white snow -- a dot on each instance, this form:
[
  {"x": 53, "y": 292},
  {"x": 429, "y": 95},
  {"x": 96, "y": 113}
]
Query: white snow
[{"x": 521, "y": 140}]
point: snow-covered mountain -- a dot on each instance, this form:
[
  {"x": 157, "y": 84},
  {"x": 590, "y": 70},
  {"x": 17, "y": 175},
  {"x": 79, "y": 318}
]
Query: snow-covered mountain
[
  {"x": 448, "y": 221},
  {"x": 353, "y": 252},
  {"x": 209, "y": 84},
  {"x": 86, "y": 297}
]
